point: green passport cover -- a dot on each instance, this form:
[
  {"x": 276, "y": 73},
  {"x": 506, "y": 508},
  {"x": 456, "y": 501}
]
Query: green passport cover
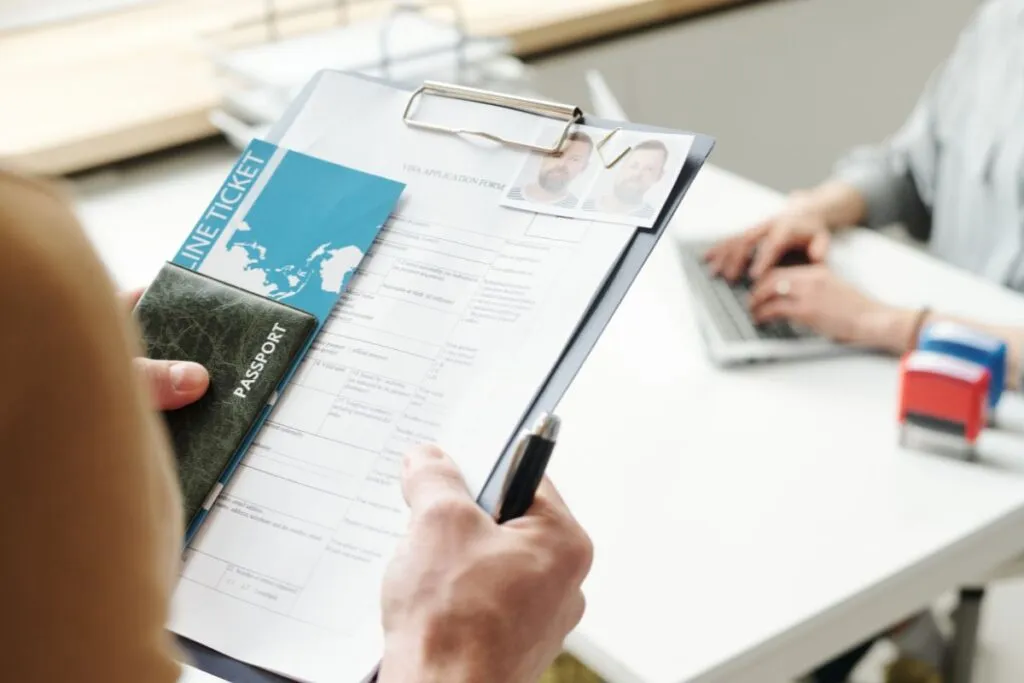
[{"x": 247, "y": 342}]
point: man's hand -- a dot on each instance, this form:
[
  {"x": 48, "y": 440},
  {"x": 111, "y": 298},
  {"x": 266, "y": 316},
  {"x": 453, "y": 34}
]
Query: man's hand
[
  {"x": 467, "y": 600},
  {"x": 798, "y": 226},
  {"x": 814, "y": 297},
  {"x": 172, "y": 384}
]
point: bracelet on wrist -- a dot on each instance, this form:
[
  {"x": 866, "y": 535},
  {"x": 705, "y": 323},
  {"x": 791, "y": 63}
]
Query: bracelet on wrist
[{"x": 915, "y": 331}]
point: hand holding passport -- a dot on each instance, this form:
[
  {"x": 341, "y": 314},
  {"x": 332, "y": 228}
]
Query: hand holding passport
[
  {"x": 246, "y": 342},
  {"x": 246, "y": 294}
]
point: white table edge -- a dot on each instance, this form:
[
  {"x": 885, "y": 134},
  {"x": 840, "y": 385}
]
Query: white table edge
[{"x": 849, "y": 622}]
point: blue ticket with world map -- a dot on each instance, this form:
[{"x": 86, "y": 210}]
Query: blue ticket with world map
[
  {"x": 246, "y": 293},
  {"x": 290, "y": 227}
]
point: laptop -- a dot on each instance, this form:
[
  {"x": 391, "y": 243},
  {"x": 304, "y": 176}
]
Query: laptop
[{"x": 729, "y": 333}]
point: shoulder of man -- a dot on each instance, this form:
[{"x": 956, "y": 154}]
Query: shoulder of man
[
  {"x": 988, "y": 11},
  {"x": 46, "y": 257},
  {"x": 84, "y": 459},
  {"x": 992, "y": 18},
  {"x": 41, "y": 242}
]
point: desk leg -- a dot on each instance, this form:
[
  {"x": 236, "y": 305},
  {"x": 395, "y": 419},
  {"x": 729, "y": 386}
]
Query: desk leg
[
  {"x": 966, "y": 618},
  {"x": 838, "y": 670}
]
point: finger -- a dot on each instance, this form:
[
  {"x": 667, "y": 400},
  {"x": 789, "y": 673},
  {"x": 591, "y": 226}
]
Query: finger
[
  {"x": 764, "y": 289},
  {"x": 818, "y": 247},
  {"x": 757, "y": 232},
  {"x": 714, "y": 251},
  {"x": 779, "y": 308},
  {"x": 547, "y": 505},
  {"x": 429, "y": 477},
  {"x": 743, "y": 249},
  {"x": 717, "y": 256},
  {"x": 173, "y": 384},
  {"x": 574, "y": 606},
  {"x": 577, "y": 609},
  {"x": 737, "y": 261},
  {"x": 768, "y": 253},
  {"x": 713, "y": 258},
  {"x": 547, "y": 496},
  {"x": 732, "y": 256},
  {"x": 559, "y": 525}
]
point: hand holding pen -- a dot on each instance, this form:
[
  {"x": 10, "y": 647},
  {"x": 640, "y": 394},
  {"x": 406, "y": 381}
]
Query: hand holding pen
[{"x": 457, "y": 575}]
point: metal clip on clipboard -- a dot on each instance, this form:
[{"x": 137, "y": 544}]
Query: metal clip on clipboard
[{"x": 569, "y": 113}]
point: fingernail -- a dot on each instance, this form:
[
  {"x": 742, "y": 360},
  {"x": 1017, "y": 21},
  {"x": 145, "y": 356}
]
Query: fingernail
[
  {"x": 430, "y": 450},
  {"x": 187, "y": 376},
  {"x": 421, "y": 452}
]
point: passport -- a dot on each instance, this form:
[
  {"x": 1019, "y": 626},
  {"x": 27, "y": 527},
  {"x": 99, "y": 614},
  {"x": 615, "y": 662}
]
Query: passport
[
  {"x": 246, "y": 293},
  {"x": 248, "y": 344}
]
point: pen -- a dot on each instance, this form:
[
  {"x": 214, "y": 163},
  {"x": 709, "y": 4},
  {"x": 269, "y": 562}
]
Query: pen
[{"x": 529, "y": 462}]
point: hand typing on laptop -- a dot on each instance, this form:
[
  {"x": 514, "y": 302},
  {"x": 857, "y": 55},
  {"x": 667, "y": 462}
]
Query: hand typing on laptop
[
  {"x": 799, "y": 226},
  {"x": 814, "y": 297},
  {"x": 782, "y": 261},
  {"x": 467, "y": 600}
]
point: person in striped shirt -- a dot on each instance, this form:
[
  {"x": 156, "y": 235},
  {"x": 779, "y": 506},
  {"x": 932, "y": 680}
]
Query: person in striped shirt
[
  {"x": 556, "y": 174},
  {"x": 635, "y": 175}
]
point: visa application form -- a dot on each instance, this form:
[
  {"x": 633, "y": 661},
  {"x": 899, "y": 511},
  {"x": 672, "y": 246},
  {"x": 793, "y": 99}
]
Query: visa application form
[{"x": 446, "y": 334}]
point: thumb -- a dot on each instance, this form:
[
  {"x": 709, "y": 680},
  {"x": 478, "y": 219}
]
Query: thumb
[
  {"x": 131, "y": 297},
  {"x": 173, "y": 384},
  {"x": 429, "y": 476},
  {"x": 818, "y": 247}
]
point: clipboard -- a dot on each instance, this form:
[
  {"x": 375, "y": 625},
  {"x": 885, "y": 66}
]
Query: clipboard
[{"x": 597, "y": 317}]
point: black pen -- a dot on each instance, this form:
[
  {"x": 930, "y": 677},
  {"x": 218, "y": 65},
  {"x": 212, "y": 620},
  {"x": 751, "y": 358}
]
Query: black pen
[{"x": 527, "y": 469}]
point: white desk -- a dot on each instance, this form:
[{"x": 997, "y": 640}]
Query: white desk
[
  {"x": 748, "y": 524},
  {"x": 751, "y": 523}
]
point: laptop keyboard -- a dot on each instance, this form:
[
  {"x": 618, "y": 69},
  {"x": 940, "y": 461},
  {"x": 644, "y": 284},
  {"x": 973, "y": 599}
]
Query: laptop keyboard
[{"x": 727, "y": 301}]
